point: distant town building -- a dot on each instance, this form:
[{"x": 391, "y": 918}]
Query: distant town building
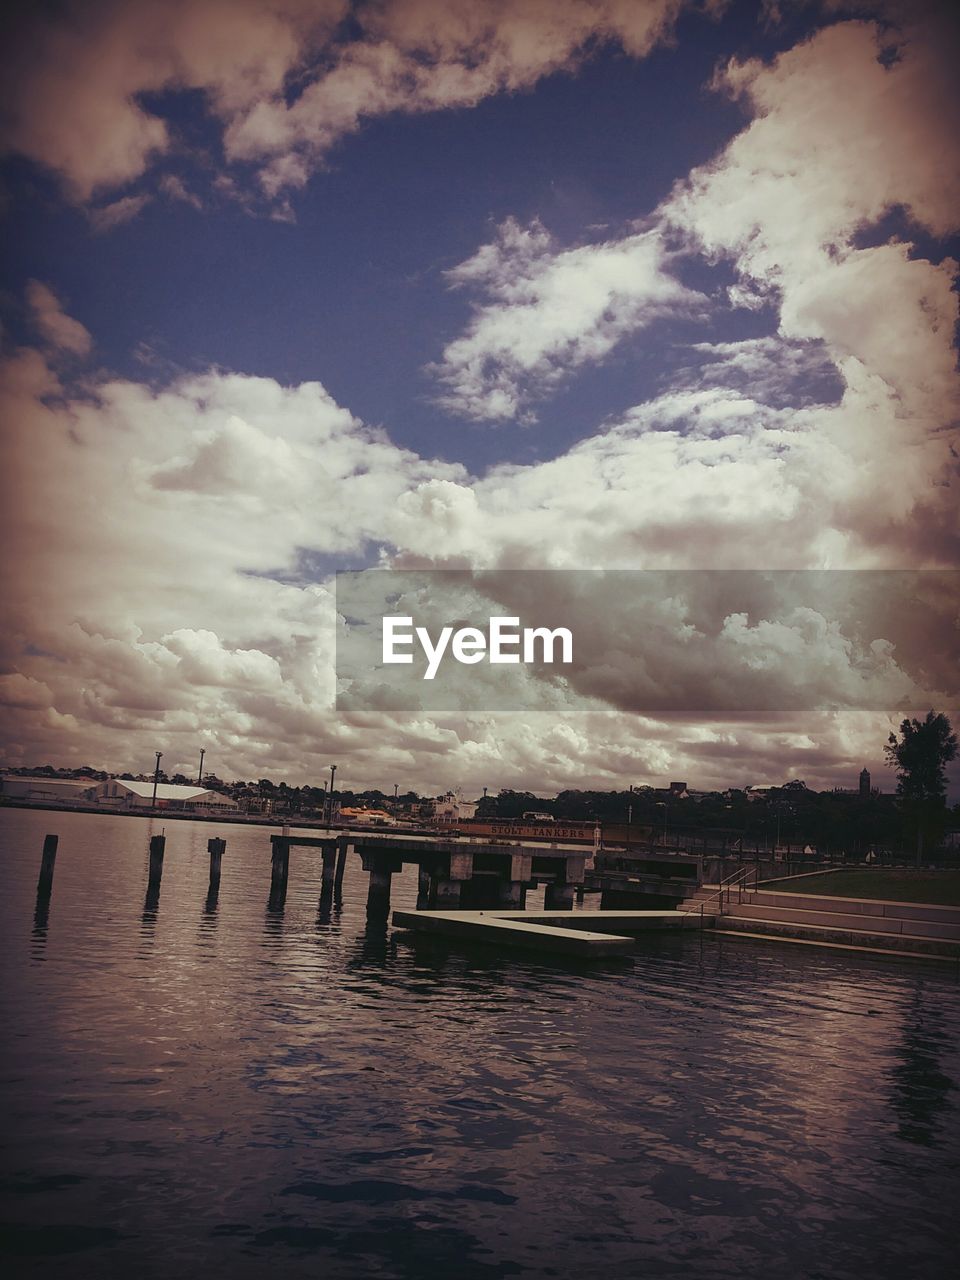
[
  {"x": 864, "y": 784},
  {"x": 452, "y": 807},
  {"x": 120, "y": 794},
  {"x": 60, "y": 790},
  {"x": 366, "y": 818},
  {"x": 759, "y": 790}
]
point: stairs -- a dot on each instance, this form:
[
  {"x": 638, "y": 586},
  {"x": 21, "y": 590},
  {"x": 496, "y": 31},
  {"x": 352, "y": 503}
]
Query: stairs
[{"x": 903, "y": 928}]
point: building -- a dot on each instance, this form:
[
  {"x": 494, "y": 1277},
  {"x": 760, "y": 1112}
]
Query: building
[
  {"x": 452, "y": 808},
  {"x": 118, "y": 793},
  {"x": 366, "y": 818},
  {"x": 864, "y": 784},
  {"x": 43, "y": 790}
]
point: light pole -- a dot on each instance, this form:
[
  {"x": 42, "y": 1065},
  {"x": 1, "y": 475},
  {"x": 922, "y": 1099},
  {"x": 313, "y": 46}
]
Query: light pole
[
  {"x": 333, "y": 771},
  {"x": 156, "y": 779},
  {"x": 662, "y": 804},
  {"x": 200, "y": 770}
]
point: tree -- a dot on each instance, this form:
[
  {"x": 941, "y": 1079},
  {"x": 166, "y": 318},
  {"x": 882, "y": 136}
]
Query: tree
[{"x": 920, "y": 756}]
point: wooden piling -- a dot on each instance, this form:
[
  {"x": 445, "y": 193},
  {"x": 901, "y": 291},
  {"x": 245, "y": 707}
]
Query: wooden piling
[
  {"x": 378, "y": 894},
  {"x": 216, "y": 849},
  {"x": 329, "y": 857},
  {"x": 157, "y": 846},
  {"x": 280, "y": 866},
  {"x": 511, "y": 894},
  {"x": 558, "y": 897},
  {"x": 341, "y": 866},
  {"x": 423, "y": 888},
  {"x": 47, "y": 860}
]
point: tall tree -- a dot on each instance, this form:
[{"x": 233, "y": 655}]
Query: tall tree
[{"x": 920, "y": 756}]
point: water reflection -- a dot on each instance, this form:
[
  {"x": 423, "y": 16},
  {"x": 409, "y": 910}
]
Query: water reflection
[
  {"x": 921, "y": 1090},
  {"x": 273, "y": 916},
  {"x": 211, "y": 902},
  {"x": 320, "y": 1095},
  {"x": 41, "y": 920},
  {"x": 151, "y": 905},
  {"x": 326, "y": 905},
  {"x": 374, "y": 944}
]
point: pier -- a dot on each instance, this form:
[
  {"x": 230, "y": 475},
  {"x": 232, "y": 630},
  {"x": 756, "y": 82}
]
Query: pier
[{"x": 457, "y": 873}]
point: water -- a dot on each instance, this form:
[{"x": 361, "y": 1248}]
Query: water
[{"x": 231, "y": 1091}]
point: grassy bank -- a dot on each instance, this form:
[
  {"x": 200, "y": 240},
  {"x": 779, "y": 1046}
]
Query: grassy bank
[{"x": 899, "y": 884}]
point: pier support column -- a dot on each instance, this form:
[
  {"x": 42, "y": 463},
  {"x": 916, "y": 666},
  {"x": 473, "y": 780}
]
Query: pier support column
[
  {"x": 512, "y": 894},
  {"x": 380, "y": 865},
  {"x": 445, "y": 894},
  {"x": 559, "y": 897},
  {"x": 279, "y": 867},
  {"x": 378, "y": 894},
  {"x": 329, "y": 857},
  {"x": 342, "y": 846},
  {"x": 423, "y": 888},
  {"x": 47, "y": 860}
]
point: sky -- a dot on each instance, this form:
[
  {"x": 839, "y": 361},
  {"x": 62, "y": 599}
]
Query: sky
[{"x": 577, "y": 286}]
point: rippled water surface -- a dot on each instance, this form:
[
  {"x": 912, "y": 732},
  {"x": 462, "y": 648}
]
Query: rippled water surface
[{"x": 223, "y": 1089}]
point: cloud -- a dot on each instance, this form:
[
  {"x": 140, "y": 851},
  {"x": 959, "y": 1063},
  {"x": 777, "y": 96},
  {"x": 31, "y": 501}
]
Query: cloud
[
  {"x": 75, "y": 86},
  {"x": 550, "y": 311},
  {"x": 155, "y": 570},
  {"x": 49, "y": 318},
  {"x": 839, "y": 137},
  {"x": 774, "y": 371},
  {"x": 153, "y": 581},
  {"x": 107, "y": 216},
  {"x": 278, "y": 79},
  {"x": 176, "y": 189}
]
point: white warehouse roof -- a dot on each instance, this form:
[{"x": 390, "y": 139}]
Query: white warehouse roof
[{"x": 165, "y": 790}]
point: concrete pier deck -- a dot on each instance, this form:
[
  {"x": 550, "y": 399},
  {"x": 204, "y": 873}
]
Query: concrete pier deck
[{"x": 572, "y": 933}]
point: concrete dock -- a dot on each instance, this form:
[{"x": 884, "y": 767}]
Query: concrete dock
[{"x": 573, "y": 933}]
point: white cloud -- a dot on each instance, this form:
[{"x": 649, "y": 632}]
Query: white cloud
[
  {"x": 60, "y": 330},
  {"x": 153, "y": 571},
  {"x": 281, "y": 87},
  {"x": 837, "y": 140},
  {"x": 176, "y": 189},
  {"x": 152, "y": 576},
  {"x": 107, "y": 216},
  {"x": 550, "y": 311}
]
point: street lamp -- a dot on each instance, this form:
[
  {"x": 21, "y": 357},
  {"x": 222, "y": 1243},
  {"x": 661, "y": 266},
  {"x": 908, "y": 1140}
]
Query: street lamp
[
  {"x": 156, "y": 779},
  {"x": 200, "y": 770},
  {"x": 333, "y": 770},
  {"x": 662, "y": 804}
]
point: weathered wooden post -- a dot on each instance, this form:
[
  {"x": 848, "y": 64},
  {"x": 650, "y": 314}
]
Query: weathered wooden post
[
  {"x": 380, "y": 865},
  {"x": 378, "y": 893},
  {"x": 342, "y": 846},
  {"x": 280, "y": 867},
  {"x": 47, "y": 860},
  {"x": 152, "y": 900},
  {"x": 157, "y": 846},
  {"x": 216, "y": 849},
  {"x": 329, "y": 856},
  {"x": 558, "y": 897},
  {"x": 423, "y": 887},
  {"x": 512, "y": 895}
]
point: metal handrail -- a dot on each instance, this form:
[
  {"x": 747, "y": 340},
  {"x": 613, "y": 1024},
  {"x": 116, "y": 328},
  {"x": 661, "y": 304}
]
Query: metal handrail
[{"x": 737, "y": 878}]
